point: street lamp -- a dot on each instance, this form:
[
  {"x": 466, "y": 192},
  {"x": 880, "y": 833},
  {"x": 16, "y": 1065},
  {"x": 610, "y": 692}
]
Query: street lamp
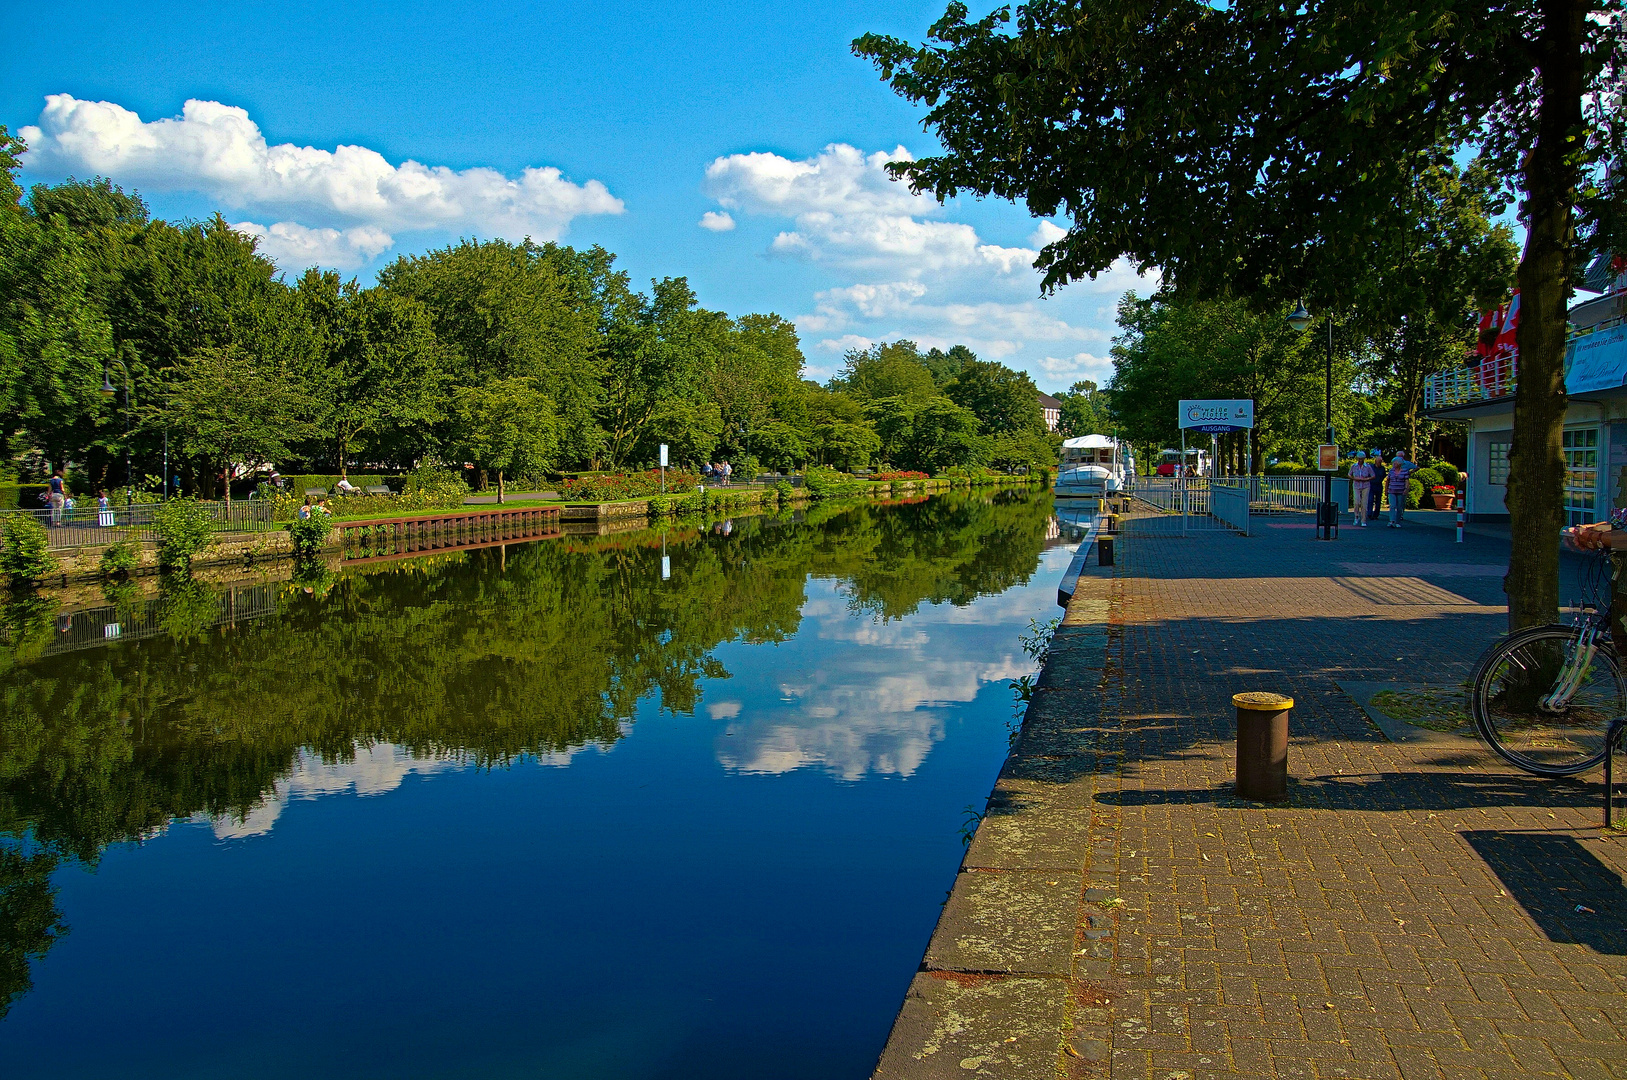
[
  {"x": 108, "y": 390},
  {"x": 1327, "y": 515}
]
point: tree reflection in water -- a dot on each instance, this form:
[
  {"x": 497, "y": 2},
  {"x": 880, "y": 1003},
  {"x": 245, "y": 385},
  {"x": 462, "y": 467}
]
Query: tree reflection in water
[{"x": 472, "y": 658}]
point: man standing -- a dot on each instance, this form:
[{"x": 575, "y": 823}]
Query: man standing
[{"x": 59, "y": 497}]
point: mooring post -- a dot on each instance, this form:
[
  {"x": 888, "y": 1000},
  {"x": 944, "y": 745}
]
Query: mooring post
[{"x": 1262, "y": 745}]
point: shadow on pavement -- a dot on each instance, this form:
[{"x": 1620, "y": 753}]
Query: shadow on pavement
[
  {"x": 1571, "y": 895},
  {"x": 1389, "y": 792}
]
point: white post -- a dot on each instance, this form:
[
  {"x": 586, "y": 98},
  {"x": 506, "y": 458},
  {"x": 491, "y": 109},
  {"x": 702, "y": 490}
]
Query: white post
[
  {"x": 663, "y": 468},
  {"x": 1181, "y": 478}
]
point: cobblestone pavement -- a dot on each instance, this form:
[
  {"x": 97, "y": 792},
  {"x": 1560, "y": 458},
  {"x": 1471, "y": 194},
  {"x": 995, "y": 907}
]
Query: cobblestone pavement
[{"x": 1414, "y": 910}]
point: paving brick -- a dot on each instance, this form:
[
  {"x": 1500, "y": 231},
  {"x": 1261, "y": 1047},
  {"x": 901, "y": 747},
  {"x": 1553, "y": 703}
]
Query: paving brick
[{"x": 1407, "y": 913}]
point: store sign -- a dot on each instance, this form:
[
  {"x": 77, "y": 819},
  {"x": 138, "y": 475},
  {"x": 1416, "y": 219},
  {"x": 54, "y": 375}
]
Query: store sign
[
  {"x": 1597, "y": 361},
  {"x": 1217, "y": 416},
  {"x": 1327, "y": 457}
]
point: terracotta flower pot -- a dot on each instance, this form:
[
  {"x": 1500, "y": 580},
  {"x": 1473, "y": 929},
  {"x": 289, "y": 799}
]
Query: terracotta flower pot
[{"x": 1442, "y": 501}]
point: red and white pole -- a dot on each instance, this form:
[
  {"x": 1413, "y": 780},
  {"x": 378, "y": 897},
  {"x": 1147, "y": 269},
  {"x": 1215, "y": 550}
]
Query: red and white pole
[{"x": 1460, "y": 515}]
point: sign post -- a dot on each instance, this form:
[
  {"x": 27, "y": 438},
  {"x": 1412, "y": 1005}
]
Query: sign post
[
  {"x": 663, "y": 468},
  {"x": 1216, "y": 417}
]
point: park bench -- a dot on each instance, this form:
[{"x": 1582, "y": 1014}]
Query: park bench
[
  {"x": 378, "y": 489},
  {"x": 316, "y": 492}
]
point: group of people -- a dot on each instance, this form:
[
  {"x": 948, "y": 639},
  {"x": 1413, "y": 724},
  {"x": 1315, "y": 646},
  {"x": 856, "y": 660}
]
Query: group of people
[
  {"x": 1370, "y": 478},
  {"x": 314, "y": 506},
  {"x": 719, "y": 473},
  {"x": 61, "y": 501}
]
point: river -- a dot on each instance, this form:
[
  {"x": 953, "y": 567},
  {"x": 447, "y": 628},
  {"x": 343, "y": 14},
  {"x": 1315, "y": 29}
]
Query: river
[{"x": 547, "y": 810}]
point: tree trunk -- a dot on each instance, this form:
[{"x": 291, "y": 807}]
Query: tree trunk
[
  {"x": 344, "y": 456},
  {"x": 1536, "y": 472},
  {"x": 499, "y": 487}
]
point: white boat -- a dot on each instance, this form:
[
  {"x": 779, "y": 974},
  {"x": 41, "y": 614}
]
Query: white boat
[{"x": 1093, "y": 466}]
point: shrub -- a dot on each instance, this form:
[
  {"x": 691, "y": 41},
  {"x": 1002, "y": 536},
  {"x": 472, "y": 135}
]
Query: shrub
[
  {"x": 184, "y": 527},
  {"x": 120, "y": 558},
  {"x": 785, "y": 491},
  {"x": 26, "y": 556},
  {"x": 1449, "y": 473},
  {"x": 309, "y": 534},
  {"x": 614, "y": 486},
  {"x": 1415, "y": 493},
  {"x": 1428, "y": 476}
]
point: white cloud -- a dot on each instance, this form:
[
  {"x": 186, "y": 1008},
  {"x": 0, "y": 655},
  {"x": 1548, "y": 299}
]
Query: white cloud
[
  {"x": 1071, "y": 369},
  {"x": 217, "y": 150},
  {"x": 290, "y": 244},
  {"x": 913, "y": 273},
  {"x": 1046, "y": 232},
  {"x": 716, "y": 222}
]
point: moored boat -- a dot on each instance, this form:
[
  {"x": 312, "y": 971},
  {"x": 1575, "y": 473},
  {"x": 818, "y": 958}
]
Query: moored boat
[{"x": 1093, "y": 466}]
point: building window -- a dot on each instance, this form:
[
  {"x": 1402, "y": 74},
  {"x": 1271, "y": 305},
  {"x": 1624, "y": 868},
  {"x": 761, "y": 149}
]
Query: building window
[
  {"x": 1581, "y": 448},
  {"x": 1498, "y": 473}
]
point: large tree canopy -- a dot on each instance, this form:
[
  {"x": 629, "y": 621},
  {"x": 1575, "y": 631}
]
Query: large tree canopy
[{"x": 1276, "y": 151}]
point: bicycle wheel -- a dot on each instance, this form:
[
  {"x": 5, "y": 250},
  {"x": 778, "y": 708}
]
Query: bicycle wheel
[{"x": 1519, "y": 703}]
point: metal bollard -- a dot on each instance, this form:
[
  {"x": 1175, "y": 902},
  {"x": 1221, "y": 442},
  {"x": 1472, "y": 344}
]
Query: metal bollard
[
  {"x": 1110, "y": 524},
  {"x": 1262, "y": 745},
  {"x": 1104, "y": 551}
]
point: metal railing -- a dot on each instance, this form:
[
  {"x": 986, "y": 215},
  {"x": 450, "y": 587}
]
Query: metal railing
[
  {"x": 1493, "y": 378},
  {"x": 1211, "y": 504},
  {"x": 86, "y": 526}
]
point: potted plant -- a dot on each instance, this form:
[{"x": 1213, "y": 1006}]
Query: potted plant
[{"x": 1443, "y": 494}]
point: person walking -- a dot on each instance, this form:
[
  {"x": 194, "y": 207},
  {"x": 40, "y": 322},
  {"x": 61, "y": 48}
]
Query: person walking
[
  {"x": 1400, "y": 473},
  {"x": 59, "y": 496},
  {"x": 1376, "y": 460},
  {"x": 1362, "y": 476}
]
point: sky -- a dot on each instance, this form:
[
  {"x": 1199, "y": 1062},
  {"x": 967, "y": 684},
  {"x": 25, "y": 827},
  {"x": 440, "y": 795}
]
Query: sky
[{"x": 740, "y": 146}]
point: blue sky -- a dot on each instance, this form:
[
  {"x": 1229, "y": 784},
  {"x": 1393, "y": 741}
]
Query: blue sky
[{"x": 738, "y": 145}]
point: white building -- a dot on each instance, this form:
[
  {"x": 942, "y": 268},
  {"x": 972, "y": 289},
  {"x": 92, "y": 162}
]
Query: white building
[
  {"x": 1052, "y": 408},
  {"x": 1595, "y": 436}
]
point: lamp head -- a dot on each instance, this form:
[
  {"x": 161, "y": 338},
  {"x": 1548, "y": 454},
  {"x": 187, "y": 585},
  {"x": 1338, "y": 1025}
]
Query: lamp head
[
  {"x": 1299, "y": 318},
  {"x": 107, "y": 384}
]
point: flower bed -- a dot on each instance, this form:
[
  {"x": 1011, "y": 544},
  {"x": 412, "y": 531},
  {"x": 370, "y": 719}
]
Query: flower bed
[
  {"x": 899, "y": 474},
  {"x": 616, "y": 486}
]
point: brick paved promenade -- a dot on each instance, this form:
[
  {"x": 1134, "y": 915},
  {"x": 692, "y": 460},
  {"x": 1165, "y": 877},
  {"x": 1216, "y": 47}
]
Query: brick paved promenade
[{"x": 1415, "y": 910}]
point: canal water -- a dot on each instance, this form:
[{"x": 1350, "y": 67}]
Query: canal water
[{"x": 675, "y": 803}]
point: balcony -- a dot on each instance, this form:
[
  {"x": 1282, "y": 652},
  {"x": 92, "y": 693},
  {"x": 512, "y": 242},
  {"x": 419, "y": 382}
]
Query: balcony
[{"x": 1491, "y": 379}]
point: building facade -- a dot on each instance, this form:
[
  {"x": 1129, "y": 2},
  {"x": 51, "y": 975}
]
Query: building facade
[
  {"x": 1052, "y": 408},
  {"x": 1481, "y": 397}
]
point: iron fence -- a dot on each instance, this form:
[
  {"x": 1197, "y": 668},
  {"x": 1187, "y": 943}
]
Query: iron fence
[{"x": 87, "y": 526}]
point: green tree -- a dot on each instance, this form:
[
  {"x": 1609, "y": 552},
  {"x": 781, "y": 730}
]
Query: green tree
[
  {"x": 54, "y": 341},
  {"x": 1086, "y": 410},
  {"x": 1254, "y": 150},
  {"x": 893, "y": 369},
  {"x": 507, "y": 426},
  {"x": 225, "y": 406},
  {"x": 1003, "y": 400},
  {"x": 375, "y": 363}
]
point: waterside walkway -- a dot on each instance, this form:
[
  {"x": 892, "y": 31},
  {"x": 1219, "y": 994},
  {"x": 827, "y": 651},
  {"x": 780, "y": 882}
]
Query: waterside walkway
[{"x": 1415, "y": 909}]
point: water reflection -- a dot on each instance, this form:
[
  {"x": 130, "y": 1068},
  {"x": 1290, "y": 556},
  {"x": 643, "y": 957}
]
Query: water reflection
[{"x": 224, "y": 707}]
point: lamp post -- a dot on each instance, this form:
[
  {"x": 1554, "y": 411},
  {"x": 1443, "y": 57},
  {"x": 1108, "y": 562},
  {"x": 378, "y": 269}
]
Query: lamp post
[
  {"x": 108, "y": 391},
  {"x": 1327, "y": 523}
]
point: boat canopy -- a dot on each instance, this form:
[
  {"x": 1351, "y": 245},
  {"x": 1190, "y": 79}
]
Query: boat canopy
[{"x": 1089, "y": 442}]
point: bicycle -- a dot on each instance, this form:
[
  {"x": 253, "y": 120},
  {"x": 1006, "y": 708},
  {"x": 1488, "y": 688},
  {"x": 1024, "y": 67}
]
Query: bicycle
[{"x": 1551, "y": 700}]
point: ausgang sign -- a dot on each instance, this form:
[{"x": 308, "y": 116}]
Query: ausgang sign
[{"x": 1217, "y": 417}]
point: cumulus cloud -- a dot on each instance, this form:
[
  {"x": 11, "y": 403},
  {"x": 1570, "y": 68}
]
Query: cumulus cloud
[
  {"x": 289, "y": 243},
  {"x": 218, "y": 150},
  {"x": 716, "y": 222},
  {"x": 915, "y": 274}
]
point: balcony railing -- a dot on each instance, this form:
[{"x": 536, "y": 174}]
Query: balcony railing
[{"x": 1493, "y": 378}]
